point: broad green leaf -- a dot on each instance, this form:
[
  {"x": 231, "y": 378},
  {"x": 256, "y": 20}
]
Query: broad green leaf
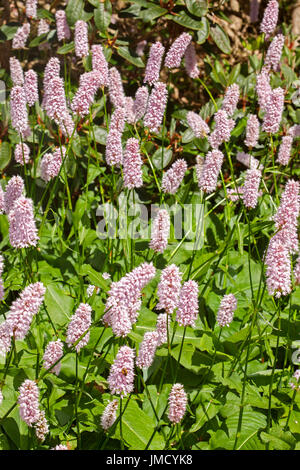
[
  {"x": 279, "y": 439},
  {"x": 203, "y": 31},
  {"x": 152, "y": 12},
  {"x": 100, "y": 135},
  {"x": 197, "y": 7},
  {"x": 221, "y": 39},
  {"x": 94, "y": 277},
  {"x": 162, "y": 157},
  {"x": 185, "y": 20},
  {"x": 102, "y": 18},
  {"x": 66, "y": 48},
  {"x": 5, "y": 155},
  {"x": 123, "y": 51},
  {"x": 8, "y": 31},
  {"x": 59, "y": 305},
  {"x": 74, "y": 11}
]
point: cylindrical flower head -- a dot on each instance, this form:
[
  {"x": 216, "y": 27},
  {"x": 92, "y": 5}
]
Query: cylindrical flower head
[
  {"x": 274, "y": 53},
  {"x": 21, "y": 36},
  {"x": 81, "y": 39},
  {"x": 285, "y": 150},
  {"x": 51, "y": 163},
  {"x": 297, "y": 272},
  {"x": 168, "y": 289},
  {"x": 222, "y": 130},
  {"x": 199, "y": 168},
  {"x": 121, "y": 374},
  {"x": 29, "y": 402},
  {"x": 5, "y": 338},
  {"x": 251, "y": 188},
  {"x": 56, "y": 105},
  {"x": 79, "y": 324},
  {"x": 235, "y": 194},
  {"x": 160, "y": 231},
  {"x": 18, "y": 110},
  {"x": 197, "y": 124},
  {"x": 52, "y": 70},
  {"x": 41, "y": 426},
  {"x": 272, "y": 118},
  {"x": 53, "y": 352},
  {"x": 231, "y": 99},
  {"x": 140, "y": 102},
  {"x": 252, "y": 131},
  {"x": 100, "y": 64},
  {"x": 132, "y": 165},
  {"x": 286, "y": 217},
  {"x": 147, "y": 349},
  {"x": 177, "y": 403},
  {"x": 294, "y": 131},
  {"x": 24, "y": 308},
  {"x": 43, "y": 28},
  {"x": 162, "y": 328},
  {"x": 1, "y": 397},
  {"x": 115, "y": 88},
  {"x": 226, "y": 310},
  {"x": 31, "y": 87},
  {"x": 210, "y": 172},
  {"x": 114, "y": 149},
  {"x": 14, "y": 189},
  {"x": 156, "y": 107},
  {"x": 22, "y": 229},
  {"x": 187, "y": 311},
  {"x": 62, "y": 27},
  {"x": 129, "y": 113},
  {"x": 22, "y": 152},
  {"x": 174, "y": 176},
  {"x": 16, "y": 71},
  {"x": 190, "y": 61},
  {"x": 263, "y": 89},
  {"x": 154, "y": 63},
  {"x": 270, "y": 18},
  {"x": 31, "y": 8},
  {"x": 84, "y": 97},
  {"x": 177, "y": 50},
  {"x": 109, "y": 415},
  {"x": 278, "y": 271}
]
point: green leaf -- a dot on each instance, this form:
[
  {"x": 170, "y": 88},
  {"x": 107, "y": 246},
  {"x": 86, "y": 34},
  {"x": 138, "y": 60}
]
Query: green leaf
[
  {"x": 38, "y": 40},
  {"x": 252, "y": 422},
  {"x": 74, "y": 11},
  {"x": 123, "y": 51},
  {"x": 102, "y": 18},
  {"x": 5, "y": 155},
  {"x": 203, "y": 31},
  {"x": 221, "y": 39},
  {"x": 94, "y": 277},
  {"x": 66, "y": 48},
  {"x": 58, "y": 304},
  {"x": 162, "y": 157},
  {"x": 279, "y": 439},
  {"x": 8, "y": 31},
  {"x": 100, "y": 135},
  {"x": 197, "y": 7},
  {"x": 152, "y": 12},
  {"x": 185, "y": 20}
]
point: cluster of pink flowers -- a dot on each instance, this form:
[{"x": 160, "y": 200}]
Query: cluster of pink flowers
[
  {"x": 29, "y": 402},
  {"x": 16, "y": 71},
  {"x": 187, "y": 311},
  {"x": 31, "y": 87},
  {"x": 190, "y": 61},
  {"x": 168, "y": 289},
  {"x": 79, "y": 326},
  {"x": 22, "y": 152},
  {"x": 140, "y": 103},
  {"x": 252, "y": 131},
  {"x": 231, "y": 99},
  {"x": 251, "y": 188},
  {"x": 132, "y": 165},
  {"x": 274, "y": 109},
  {"x": 114, "y": 149},
  {"x": 62, "y": 27},
  {"x": 121, "y": 374},
  {"x": 154, "y": 63},
  {"x": 174, "y": 176},
  {"x": 21, "y": 36},
  {"x": 100, "y": 64},
  {"x": 51, "y": 163},
  {"x": 285, "y": 149},
  {"x": 160, "y": 231},
  {"x": 263, "y": 89},
  {"x": 177, "y": 403},
  {"x": 177, "y": 50},
  {"x": 162, "y": 326},
  {"x": 226, "y": 310},
  {"x": 52, "y": 354},
  {"x": 223, "y": 128},
  {"x": 18, "y": 110},
  {"x": 197, "y": 124},
  {"x": 81, "y": 39},
  {"x": 85, "y": 95},
  {"x": 1, "y": 280},
  {"x": 156, "y": 107},
  {"x": 210, "y": 171},
  {"x": 147, "y": 349},
  {"x": 22, "y": 228},
  {"x": 115, "y": 88},
  {"x": 274, "y": 53},
  {"x": 109, "y": 415},
  {"x": 270, "y": 18}
]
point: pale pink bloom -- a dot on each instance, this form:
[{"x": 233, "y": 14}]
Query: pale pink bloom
[
  {"x": 285, "y": 150},
  {"x": 197, "y": 124},
  {"x": 31, "y": 8},
  {"x": 18, "y": 110},
  {"x": 294, "y": 131},
  {"x": 53, "y": 352},
  {"x": 296, "y": 376},
  {"x": 231, "y": 99},
  {"x": 56, "y": 104},
  {"x": 252, "y": 131},
  {"x": 80, "y": 324},
  {"x": 160, "y": 231},
  {"x": 85, "y": 95},
  {"x": 41, "y": 426},
  {"x": 29, "y": 402},
  {"x": 263, "y": 89},
  {"x": 99, "y": 63},
  {"x": 222, "y": 130},
  {"x": 60, "y": 447},
  {"x": 52, "y": 70},
  {"x": 199, "y": 168},
  {"x": 177, "y": 403},
  {"x": 190, "y": 61},
  {"x": 16, "y": 71},
  {"x": 109, "y": 415},
  {"x": 91, "y": 289},
  {"x": 270, "y": 18},
  {"x": 1, "y": 280},
  {"x": 22, "y": 152},
  {"x": 274, "y": 53},
  {"x": 147, "y": 349},
  {"x": 114, "y": 149},
  {"x": 67, "y": 126},
  {"x": 162, "y": 327},
  {"x": 14, "y": 189},
  {"x": 156, "y": 107},
  {"x": 235, "y": 195},
  {"x": 188, "y": 308},
  {"x": 226, "y": 310},
  {"x": 286, "y": 217},
  {"x": 21, "y": 36},
  {"x": 173, "y": 177},
  {"x": 129, "y": 112},
  {"x": 274, "y": 109},
  {"x": 5, "y": 338},
  {"x": 121, "y": 374},
  {"x": 177, "y": 50},
  {"x": 154, "y": 63},
  {"x": 168, "y": 289},
  {"x": 81, "y": 38},
  {"x": 62, "y": 28},
  {"x": 115, "y": 88},
  {"x": 132, "y": 165},
  {"x": 22, "y": 229},
  {"x": 106, "y": 276},
  {"x": 249, "y": 161},
  {"x": 251, "y": 188},
  {"x": 211, "y": 169},
  {"x": 254, "y": 10},
  {"x": 43, "y": 28},
  {"x": 31, "y": 87},
  {"x": 140, "y": 102},
  {"x": 297, "y": 271},
  {"x": 278, "y": 264},
  {"x": 51, "y": 163}
]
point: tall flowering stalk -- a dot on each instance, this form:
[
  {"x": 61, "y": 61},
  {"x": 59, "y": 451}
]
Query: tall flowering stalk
[
  {"x": 168, "y": 289},
  {"x": 53, "y": 352},
  {"x": 21, "y": 36},
  {"x": 188, "y": 309},
  {"x": 177, "y": 403},
  {"x": 274, "y": 109},
  {"x": 147, "y": 349},
  {"x": 121, "y": 375},
  {"x": 31, "y": 87},
  {"x": 252, "y": 131},
  {"x": 114, "y": 149},
  {"x": 14, "y": 189},
  {"x": 29, "y": 402},
  {"x": 22, "y": 153},
  {"x": 197, "y": 124},
  {"x": 210, "y": 171},
  {"x": 16, "y": 71},
  {"x": 226, "y": 310},
  {"x": 174, "y": 176},
  {"x": 231, "y": 99},
  {"x": 109, "y": 415},
  {"x": 80, "y": 324},
  {"x": 115, "y": 88},
  {"x": 22, "y": 228},
  {"x": 222, "y": 130},
  {"x": 270, "y": 18},
  {"x": 274, "y": 53},
  {"x": 100, "y": 64},
  {"x": 190, "y": 61},
  {"x": 18, "y": 110},
  {"x": 156, "y": 107},
  {"x": 154, "y": 63},
  {"x": 81, "y": 38},
  {"x": 160, "y": 231},
  {"x": 177, "y": 50},
  {"x": 62, "y": 27},
  {"x": 251, "y": 188},
  {"x": 1, "y": 280},
  {"x": 132, "y": 165}
]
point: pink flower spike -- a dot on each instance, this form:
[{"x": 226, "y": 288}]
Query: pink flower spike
[
  {"x": 274, "y": 53},
  {"x": 115, "y": 88},
  {"x": 22, "y": 152},
  {"x": 132, "y": 165},
  {"x": 62, "y": 27},
  {"x": 51, "y": 163},
  {"x": 297, "y": 272},
  {"x": 147, "y": 349},
  {"x": 1, "y": 280},
  {"x": 31, "y": 9},
  {"x": 154, "y": 63},
  {"x": 222, "y": 130},
  {"x": 18, "y": 110},
  {"x": 190, "y": 61},
  {"x": 270, "y": 18},
  {"x": 177, "y": 50},
  {"x": 174, "y": 176},
  {"x": 53, "y": 352},
  {"x": 22, "y": 229},
  {"x": 252, "y": 131},
  {"x": 187, "y": 311},
  {"x": 197, "y": 124},
  {"x": 140, "y": 103},
  {"x": 263, "y": 89},
  {"x": 14, "y": 189},
  {"x": 160, "y": 231},
  {"x": 29, "y": 402},
  {"x": 16, "y": 71},
  {"x": 168, "y": 289},
  {"x": 109, "y": 415},
  {"x": 210, "y": 172},
  {"x": 41, "y": 426},
  {"x": 274, "y": 109},
  {"x": 31, "y": 87},
  {"x": 286, "y": 217},
  {"x": 21, "y": 36},
  {"x": 81, "y": 39},
  {"x": 121, "y": 375},
  {"x": 100, "y": 64},
  {"x": 278, "y": 272},
  {"x": 226, "y": 310},
  {"x": 114, "y": 149},
  {"x": 285, "y": 150},
  {"x": 251, "y": 188},
  {"x": 231, "y": 99},
  {"x": 80, "y": 324},
  {"x": 85, "y": 95},
  {"x": 162, "y": 327},
  {"x": 177, "y": 403},
  {"x": 156, "y": 107}
]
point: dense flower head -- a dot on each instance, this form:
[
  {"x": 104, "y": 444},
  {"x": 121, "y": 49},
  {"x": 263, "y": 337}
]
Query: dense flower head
[
  {"x": 147, "y": 349},
  {"x": 14, "y": 189},
  {"x": 121, "y": 374},
  {"x": 41, "y": 426},
  {"x": 190, "y": 61},
  {"x": 222, "y": 130},
  {"x": 5, "y": 338},
  {"x": 231, "y": 99},
  {"x": 226, "y": 310},
  {"x": 286, "y": 217},
  {"x": 177, "y": 50},
  {"x": 84, "y": 97},
  {"x": 274, "y": 109},
  {"x": 285, "y": 149},
  {"x": 52, "y": 70},
  {"x": 187, "y": 311},
  {"x": 62, "y": 27},
  {"x": 115, "y": 88},
  {"x": 29, "y": 402},
  {"x": 156, "y": 107},
  {"x": 1, "y": 397},
  {"x": 18, "y": 110},
  {"x": 22, "y": 229},
  {"x": 154, "y": 63},
  {"x": 270, "y": 18},
  {"x": 160, "y": 231},
  {"x": 53, "y": 352},
  {"x": 31, "y": 87},
  {"x": 197, "y": 124},
  {"x": 43, "y": 28},
  {"x": 177, "y": 403},
  {"x": 56, "y": 104},
  {"x": 81, "y": 38},
  {"x": 22, "y": 152},
  {"x": 109, "y": 415},
  {"x": 16, "y": 71},
  {"x": 174, "y": 176},
  {"x": 235, "y": 194},
  {"x": 51, "y": 163},
  {"x": 252, "y": 131},
  {"x": 278, "y": 272},
  {"x": 132, "y": 165},
  {"x": 263, "y": 89},
  {"x": 100, "y": 64},
  {"x": 199, "y": 168},
  {"x": 210, "y": 172},
  {"x": 162, "y": 327},
  {"x": 114, "y": 149},
  {"x": 294, "y": 131},
  {"x": 129, "y": 112},
  {"x": 60, "y": 447},
  {"x": 80, "y": 324},
  {"x": 251, "y": 188},
  {"x": 168, "y": 289},
  {"x": 274, "y": 53},
  {"x": 21, "y": 36},
  {"x": 140, "y": 102},
  {"x": 31, "y": 8}
]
